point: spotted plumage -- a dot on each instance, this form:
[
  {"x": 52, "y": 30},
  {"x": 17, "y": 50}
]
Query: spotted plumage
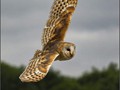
[
  {"x": 59, "y": 18},
  {"x": 54, "y": 47}
]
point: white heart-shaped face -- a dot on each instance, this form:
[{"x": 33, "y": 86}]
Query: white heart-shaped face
[{"x": 68, "y": 51}]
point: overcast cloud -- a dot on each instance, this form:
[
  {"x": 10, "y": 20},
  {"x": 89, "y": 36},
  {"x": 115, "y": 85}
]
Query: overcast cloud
[{"x": 94, "y": 29}]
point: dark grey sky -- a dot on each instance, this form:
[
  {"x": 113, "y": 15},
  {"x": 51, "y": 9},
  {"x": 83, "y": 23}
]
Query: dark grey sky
[{"x": 94, "y": 29}]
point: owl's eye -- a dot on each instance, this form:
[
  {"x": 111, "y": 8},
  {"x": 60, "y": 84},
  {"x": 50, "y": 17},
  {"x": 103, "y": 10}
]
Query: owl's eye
[{"x": 68, "y": 49}]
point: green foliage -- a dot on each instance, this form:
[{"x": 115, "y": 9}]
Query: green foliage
[
  {"x": 106, "y": 79},
  {"x": 67, "y": 84}
]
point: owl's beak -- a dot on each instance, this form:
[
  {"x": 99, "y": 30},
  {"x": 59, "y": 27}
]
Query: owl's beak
[{"x": 72, "y": 51}]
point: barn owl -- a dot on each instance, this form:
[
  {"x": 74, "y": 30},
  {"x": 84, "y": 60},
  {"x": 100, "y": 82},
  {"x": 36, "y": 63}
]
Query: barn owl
[{"x": 54, "y": 47}]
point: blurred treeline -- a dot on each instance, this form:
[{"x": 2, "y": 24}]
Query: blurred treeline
[{"x": 105, "y": 79}]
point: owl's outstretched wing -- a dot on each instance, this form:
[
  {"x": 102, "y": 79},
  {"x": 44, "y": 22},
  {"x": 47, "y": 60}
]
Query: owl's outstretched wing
[
  {"x": 58, "y": 22},
  {"x": 38, "y": 66}
]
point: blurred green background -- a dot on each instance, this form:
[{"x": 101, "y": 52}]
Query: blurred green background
[{"x": 105, "y": 79}]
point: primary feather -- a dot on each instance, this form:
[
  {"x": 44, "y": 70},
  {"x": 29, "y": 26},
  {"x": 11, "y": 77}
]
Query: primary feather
[
  {"x": 38, "y": 67},
  {"x": 58, "y": 22}
]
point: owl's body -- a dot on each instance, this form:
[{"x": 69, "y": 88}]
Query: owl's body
[{"x": 54, "y": 47}]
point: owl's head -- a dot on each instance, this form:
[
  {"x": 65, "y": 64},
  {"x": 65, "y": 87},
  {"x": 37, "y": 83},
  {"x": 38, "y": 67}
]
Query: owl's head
[{"x": 67, "y": 51}]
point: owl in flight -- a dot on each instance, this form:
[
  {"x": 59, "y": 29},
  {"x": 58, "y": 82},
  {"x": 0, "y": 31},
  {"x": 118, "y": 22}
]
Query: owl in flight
[{"x": 54, "y": 47}]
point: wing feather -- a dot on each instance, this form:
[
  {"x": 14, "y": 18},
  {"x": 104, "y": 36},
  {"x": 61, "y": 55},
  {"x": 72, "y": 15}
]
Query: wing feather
[
  {"x": 58, "y": 22},
  {"x": 38, "y": 67}
]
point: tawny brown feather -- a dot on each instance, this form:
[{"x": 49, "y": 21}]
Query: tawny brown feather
[
  {"x": 53, "y": 46},
  {"x": 58, "y": 22},
  {"x": 38, "y": 67}
]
